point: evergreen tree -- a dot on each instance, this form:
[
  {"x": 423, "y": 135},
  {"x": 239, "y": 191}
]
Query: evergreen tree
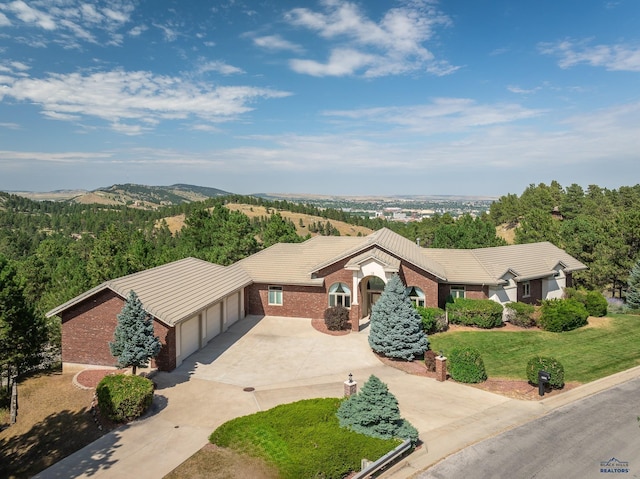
[
  {"x": 396, "y": 326},
  {"x": 133, "y": 341},
  {"x": 23, "y": 333},
  {"x": 278, "y": 230},
  {"x": 374, "y": 412},
  {"x": 633, "y": 290}
]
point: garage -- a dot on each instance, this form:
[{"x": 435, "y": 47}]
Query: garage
[
  {"x": 189, "y": 336},
  {"x": 233, "y": 308},
  {"x": 213, "y": 321}
]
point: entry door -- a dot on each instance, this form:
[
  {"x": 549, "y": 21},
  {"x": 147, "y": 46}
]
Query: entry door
[{"x": 373, "y": 297}]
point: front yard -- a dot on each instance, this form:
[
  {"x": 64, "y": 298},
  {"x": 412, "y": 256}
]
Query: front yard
[{"x": 606, "y": 346}]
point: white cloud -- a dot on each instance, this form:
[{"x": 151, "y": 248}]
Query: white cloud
[
  {"x": 4, "y": 21},
  {"x": 276, "y": 42},
  {"x": 442, "y": 115},
  {"x": 392, "y": 46},
  {"x": 523, "y": 91},
  {"x": 133, "y": 102},
  {"x": 619, "y": 57},
  {"x": 138, "y": 30},
  {"x": 62, "y": 157},
  {"x": 68, "y": 21},
  {"x": 31, "y": 15},
  {"x": 219, "y": 67}
]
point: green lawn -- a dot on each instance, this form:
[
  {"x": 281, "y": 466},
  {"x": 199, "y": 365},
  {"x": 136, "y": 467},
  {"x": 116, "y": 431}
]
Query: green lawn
[
  {"x": 587, "y": 353},
  {"x": 302, "y": 439}
]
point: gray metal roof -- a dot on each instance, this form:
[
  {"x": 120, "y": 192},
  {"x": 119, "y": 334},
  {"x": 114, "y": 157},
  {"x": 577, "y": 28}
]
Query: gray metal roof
[
  {"x": 489, "y": 265},
  {"x": 175, "y": 291}
]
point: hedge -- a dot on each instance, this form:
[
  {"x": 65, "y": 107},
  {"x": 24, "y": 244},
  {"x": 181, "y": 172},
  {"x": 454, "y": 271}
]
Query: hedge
[
  {"x": 559, "y": 315},
  {"x": 336, "y": 318},
  {"x": 594, "y": 301},
  {"x": 123, "y": 398},
  {"x": 466, "y": 365},
  {"x": 434, "y": 320},
  {"x": 520, "y": 314},
  {"x": 550, "y": 365},
  {"x": 483, "y": 313}
]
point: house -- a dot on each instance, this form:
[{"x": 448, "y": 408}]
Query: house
[{"x": 192, "y": 301}]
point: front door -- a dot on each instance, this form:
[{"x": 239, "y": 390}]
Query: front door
[{"x": 373, "y": 297}]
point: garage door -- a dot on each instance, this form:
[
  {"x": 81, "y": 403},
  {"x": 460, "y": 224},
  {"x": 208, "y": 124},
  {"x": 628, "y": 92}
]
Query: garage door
[
  {"x": 233, "y": 308},
  {"x": 189, "y": 337},
  {"x": 213, "y": 321}
]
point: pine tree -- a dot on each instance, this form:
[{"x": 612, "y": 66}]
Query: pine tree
[
  {"x": 396, "y": 326},
  {"x": 633, "y": 290},
  {"x": 133, "y": 341},
  {"x": 23, "y": 333},
  {"x": 374, "y": 412}
]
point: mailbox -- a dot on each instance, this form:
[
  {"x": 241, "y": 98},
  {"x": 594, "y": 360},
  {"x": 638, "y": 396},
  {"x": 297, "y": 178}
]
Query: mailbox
[{"x": 543, "y": 379}]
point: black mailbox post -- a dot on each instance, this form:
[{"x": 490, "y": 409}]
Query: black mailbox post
[{"x": 543, "y": 379}]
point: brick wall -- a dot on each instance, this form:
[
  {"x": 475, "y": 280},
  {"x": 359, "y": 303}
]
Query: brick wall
[
  {"x": 87, "y": 329},
  {"x": 411, "y": 276},
  {"x": 535, "y": 292}
]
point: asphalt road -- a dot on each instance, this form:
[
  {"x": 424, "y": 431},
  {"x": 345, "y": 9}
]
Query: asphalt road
[{"x": 596, "y": 437}]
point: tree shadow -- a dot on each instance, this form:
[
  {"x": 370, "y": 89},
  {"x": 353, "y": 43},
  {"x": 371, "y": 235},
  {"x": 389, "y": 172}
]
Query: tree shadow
[{"x": 54, "y": 438}]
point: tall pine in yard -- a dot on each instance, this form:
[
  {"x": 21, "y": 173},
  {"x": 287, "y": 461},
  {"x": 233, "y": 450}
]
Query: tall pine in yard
[
  {"x": 396, "y": 326},
  {"x": 374, "y": 412},
  {"x": 133, "y": 341},
  {"x": 633, "y": 290}
]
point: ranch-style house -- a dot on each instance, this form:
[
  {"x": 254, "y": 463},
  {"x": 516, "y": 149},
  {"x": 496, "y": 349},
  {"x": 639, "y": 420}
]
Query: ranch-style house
[{"x": 191, "y": 301}]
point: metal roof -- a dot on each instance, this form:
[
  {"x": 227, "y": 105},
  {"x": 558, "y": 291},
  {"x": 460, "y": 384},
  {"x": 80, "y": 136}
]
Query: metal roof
[{"x": 175, "y": 291}]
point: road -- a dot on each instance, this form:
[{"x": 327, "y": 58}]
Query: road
[{"x": 578, "y": 440}]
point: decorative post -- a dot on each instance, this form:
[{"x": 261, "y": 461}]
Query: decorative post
[
  {"x": 350, "y": 386},
  {"x": 441, "y": 368}
]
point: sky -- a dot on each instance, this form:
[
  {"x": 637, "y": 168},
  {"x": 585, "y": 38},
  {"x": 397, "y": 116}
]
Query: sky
[{"x": 421, "y": 97}]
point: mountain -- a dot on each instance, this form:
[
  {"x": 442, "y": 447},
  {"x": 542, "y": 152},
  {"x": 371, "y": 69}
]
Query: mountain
[{"x": 140, "y": 196}]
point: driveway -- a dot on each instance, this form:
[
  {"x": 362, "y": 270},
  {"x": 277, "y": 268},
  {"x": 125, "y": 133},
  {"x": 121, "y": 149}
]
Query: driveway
[{"x": 261, "y": 362}]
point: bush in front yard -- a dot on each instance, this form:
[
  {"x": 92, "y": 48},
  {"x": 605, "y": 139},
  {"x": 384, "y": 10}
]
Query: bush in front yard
[
  {"x": 594, "y": 301},
  {"x": 559, "y": 315},
  {"x": 430, "y": 360},
  {"x": 520, "y": 314},
  {"x": 434, "y": 320},
  {"x": 466, "y": 366},
  {"x": 123, "y": 398},
  {"x": 483, "y": 313},
  {"x": 550, "y": 365},
  {"x": 336, "y": 318}
]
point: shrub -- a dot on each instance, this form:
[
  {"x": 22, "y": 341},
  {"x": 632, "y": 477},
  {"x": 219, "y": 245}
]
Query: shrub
[
  {"x": 562, "y": 315},
  {"x": 520, "y": 314},
  {"x": 430, "y": 360},
  {"x": 123, "y": 397},
  {"x": 483, "y": 313},
  {"x": 434, "y": 320},
  {"x": 550, "y": 365},
  {"x": 616, "y": 305},
  {"x": 596, "y": 304},
  {"x": 594, "y": 301},
  {"x": 336, "y": 318},
  {"x": 466, "y": 365}
]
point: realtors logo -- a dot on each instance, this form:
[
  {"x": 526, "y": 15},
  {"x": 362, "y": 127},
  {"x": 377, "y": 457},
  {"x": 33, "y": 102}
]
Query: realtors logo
[{"x": 614, "y": 466}]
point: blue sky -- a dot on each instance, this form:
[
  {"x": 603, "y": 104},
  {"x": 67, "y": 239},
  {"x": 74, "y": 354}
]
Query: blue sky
[{"x": 464, "y": 97}]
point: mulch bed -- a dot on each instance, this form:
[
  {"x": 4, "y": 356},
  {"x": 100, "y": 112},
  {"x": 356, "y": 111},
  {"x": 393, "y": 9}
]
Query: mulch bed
[
  {"x": 318, "y": 325},
  {"x": 512, "y": 388},
  {"x": 89, "y": 378}
]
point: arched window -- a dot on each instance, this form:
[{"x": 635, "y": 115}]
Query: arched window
[
  {"x": 416, "y": 295},
  {"x": 375, "y": 284},
  {"x": 339, "y": 295}
]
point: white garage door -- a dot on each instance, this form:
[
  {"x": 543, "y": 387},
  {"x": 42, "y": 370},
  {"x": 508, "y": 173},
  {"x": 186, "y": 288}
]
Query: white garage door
[
  {"x": 233, "y": 308},
  {"x": 214, "y": 322},
  {"x": 189, "y": 337}
]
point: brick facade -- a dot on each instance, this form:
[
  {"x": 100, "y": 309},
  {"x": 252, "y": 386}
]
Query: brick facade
[{"x": 88, "y": 327}]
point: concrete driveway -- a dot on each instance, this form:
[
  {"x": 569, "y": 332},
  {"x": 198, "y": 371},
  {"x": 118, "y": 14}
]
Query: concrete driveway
[{"x": 281, "y": 360}]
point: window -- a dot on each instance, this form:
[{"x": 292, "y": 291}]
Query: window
[
  {"x": 339, "y": 295},
  {"x": 526, "y": 289},
  {"x": 275, "y": 295},
  {"x": 375, "y": 284},
  {"x": 416, "y": 296},
  {"x": 457, "y": 292}
]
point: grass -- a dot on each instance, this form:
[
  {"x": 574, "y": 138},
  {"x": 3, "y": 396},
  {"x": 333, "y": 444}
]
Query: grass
[
  {"x": 301, "y": 439},
  {"x": 587, "y": 353}
]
